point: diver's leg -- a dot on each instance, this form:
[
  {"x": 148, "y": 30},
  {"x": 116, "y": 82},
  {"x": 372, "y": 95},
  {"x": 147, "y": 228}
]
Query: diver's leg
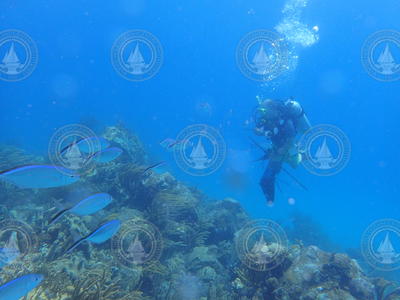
[{"x": 267, "y": 182}]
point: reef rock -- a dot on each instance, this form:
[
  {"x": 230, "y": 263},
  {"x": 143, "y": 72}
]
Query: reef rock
[
  {"x": 129, "y": 142},
  {"x": 323, "y": 275},
  {"x": 198, "y": 259}
]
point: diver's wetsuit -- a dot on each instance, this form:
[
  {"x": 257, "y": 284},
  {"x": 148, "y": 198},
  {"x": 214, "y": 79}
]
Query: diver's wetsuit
[{"x": 282, "y": 139}]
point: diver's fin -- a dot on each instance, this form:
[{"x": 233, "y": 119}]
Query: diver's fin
[{"x": 295, "y": 179}]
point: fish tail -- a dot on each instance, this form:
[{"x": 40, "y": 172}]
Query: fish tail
[
  {"x": 146, "y": 169},
  {"x": 58, "y": 216},
  {"x": 74, "y": 245},
  {"x": 153, "y": 166}
]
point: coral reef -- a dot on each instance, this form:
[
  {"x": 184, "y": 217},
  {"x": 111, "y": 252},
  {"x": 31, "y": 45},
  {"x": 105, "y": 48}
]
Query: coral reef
[
  {"x": 11, "y": 156},
  {"x": 198, "y": 258},
  {"x": 120, "y": 136}
]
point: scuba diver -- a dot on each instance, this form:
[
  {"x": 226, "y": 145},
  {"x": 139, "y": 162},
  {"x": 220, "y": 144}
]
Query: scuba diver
[{"x": 280, "y": 122}]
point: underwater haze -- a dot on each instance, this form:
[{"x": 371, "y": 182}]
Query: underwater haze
[{"x": 199, "y": 149}]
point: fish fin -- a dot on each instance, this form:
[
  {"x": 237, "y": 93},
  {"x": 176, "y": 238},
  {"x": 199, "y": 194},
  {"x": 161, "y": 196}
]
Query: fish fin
[
  {"x": 93, "y": 155},
  {"x": 58, "y": 216},
  {"x": 14, "y": 168},
  {"x": 74, "y": 245},
  {"x": 153, "y": 166},
  {"x": 69, "y": 145}
]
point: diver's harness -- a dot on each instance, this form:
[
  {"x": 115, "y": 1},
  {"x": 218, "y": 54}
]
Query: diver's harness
[{"x": 283, "y": 110}]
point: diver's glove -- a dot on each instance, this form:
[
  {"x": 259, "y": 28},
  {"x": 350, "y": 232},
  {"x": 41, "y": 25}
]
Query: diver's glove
[
  {"x": 258, "y": 131},
  {"x": 261, "y": 132}
]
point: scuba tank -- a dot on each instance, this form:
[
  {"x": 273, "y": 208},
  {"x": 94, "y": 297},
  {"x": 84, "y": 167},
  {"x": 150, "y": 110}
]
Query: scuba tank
[{"x": 297, "y": 114}]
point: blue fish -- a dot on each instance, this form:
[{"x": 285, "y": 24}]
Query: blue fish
[
  {"x": 19, "y": 287},
  {"x": 86, "y": 206},
  {"x": 107, "y": 155},
  {"x": 89, "y": 145},
  {"x": 39, "y": 176},
  {"x": 100, "y": 235},
  {"x": 84, "y": 145}
]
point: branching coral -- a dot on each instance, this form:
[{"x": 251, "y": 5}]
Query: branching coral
[
  {"x": 136, "y": 295},
  {"x": 94, "y": 287},
  {"x": 157, "y": 268},
  {"x": 200, "y": 237},
  {"x": 11, "y": 157}
]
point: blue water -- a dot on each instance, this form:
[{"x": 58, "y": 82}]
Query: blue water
[{"x": 75, "y": 82}]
